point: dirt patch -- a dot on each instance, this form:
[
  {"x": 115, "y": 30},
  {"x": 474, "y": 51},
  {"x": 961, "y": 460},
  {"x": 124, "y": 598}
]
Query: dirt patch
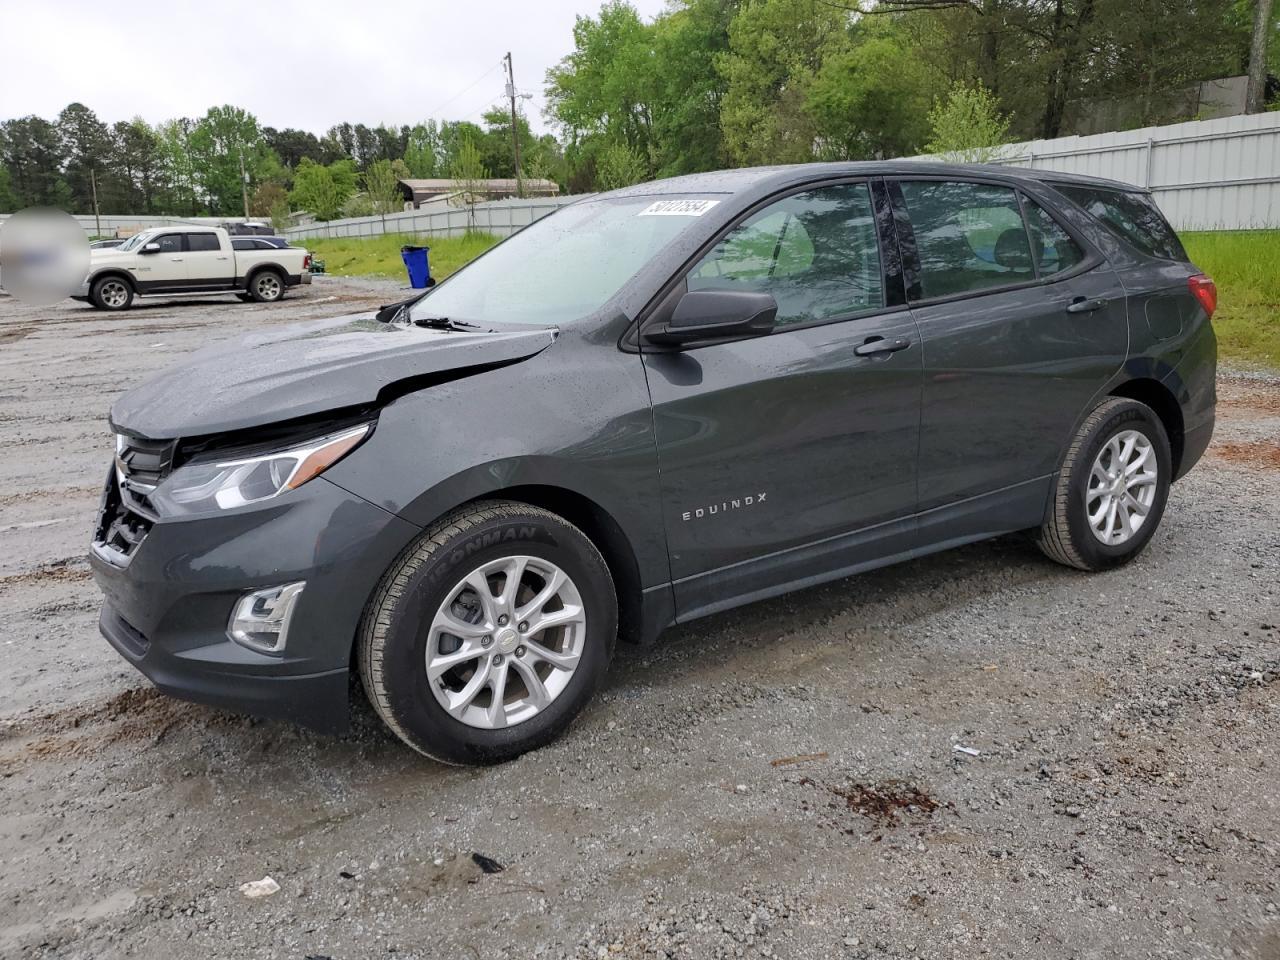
[
  {"x": 1254, "y": 453},
  {"x": 13, "y": 334},
  {"x": 60, "y": 571},
  {"x": 883, "y": 803},
  {"x": 1249, "y": 396}
]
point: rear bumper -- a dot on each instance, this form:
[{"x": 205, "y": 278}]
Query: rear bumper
[{"x": 1194, "y": 443}]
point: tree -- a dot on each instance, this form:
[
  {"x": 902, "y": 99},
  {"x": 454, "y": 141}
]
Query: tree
[
  {"x": 870, "y": 101},
  {"x": 1255, "y": 100},
  {"x": 292, "y": 145},
  {"x": 32, "y": 152},
  {"x": 323, "y": 190},
  {"x": 138, "y": 158},
  {"x": 469, "y": 171},
  {"x": 179, "y": 165},
  {"x": 967, "y": 126},
  {"x": 617, "y": 165},
  {"x": 382, "y": 187},
  {"x": 86, "y": 148},
  {"x": 220, "y": 141},
  {"x": 776, "y": 49},
  {"x": 8, "y": 199},
  {"x": 424, "y": 151}
]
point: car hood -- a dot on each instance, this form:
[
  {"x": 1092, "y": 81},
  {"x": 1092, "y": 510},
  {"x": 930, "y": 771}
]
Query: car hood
[{"x": 307, "y": 369}]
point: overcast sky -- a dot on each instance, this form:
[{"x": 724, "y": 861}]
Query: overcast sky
[{"x": 292, "y": 64}]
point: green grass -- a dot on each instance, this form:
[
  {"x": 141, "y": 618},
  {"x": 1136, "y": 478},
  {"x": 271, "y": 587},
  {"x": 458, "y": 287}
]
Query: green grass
[
  {"x": 380, "y": 256},
  {"x": 1245, "y": 265}
]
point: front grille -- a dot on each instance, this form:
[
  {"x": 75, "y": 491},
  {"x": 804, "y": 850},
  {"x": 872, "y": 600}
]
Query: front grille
[{"x": 127, "y": 514}]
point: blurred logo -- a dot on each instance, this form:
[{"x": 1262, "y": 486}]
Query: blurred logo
[{"x": 44, "y": 255}]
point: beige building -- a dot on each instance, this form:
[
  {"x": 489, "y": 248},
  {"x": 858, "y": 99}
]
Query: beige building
[{"x": 431, "y": 192}]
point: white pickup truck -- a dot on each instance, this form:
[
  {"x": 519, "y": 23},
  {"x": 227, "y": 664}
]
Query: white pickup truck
[{"x": 182, "y": 259}]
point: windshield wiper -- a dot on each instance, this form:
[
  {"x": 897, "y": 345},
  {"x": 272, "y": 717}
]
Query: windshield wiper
[{"x": 444, "y": 323}]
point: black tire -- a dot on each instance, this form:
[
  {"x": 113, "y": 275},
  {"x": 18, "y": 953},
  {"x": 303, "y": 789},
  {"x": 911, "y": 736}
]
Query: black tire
[
  {"x": 1066, "y": 535},
  {"x": 111, "y": 293},
  {"x": 393, "y": 639},
  {"x": 244, "y": 297},
  {"x": 267, "y": 286}
]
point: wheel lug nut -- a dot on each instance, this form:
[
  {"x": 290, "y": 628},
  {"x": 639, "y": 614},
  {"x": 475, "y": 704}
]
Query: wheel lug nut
[
  {"x": 497, "y": 659},
  {"x": 502, "y": 620},
  {"x": 519, "y": 651},
  {"x": 524, "y": 626},
  {"x": 485, "y": 641}
]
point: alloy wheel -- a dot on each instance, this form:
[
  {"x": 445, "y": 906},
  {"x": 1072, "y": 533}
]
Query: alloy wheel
[
  {"x": 1121, "y": 488},
  {"x": 268, "y": 286},
  {"x": 113, "y": 294},
  {"x": 505, "y": 642}
]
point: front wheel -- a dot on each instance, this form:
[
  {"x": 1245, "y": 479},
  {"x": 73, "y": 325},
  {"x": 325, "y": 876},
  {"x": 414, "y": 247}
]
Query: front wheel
[
  {"x": 1112, "y": 488},
  {"x": 489, "y": 634},
  {"x": 266, "y": 286}
]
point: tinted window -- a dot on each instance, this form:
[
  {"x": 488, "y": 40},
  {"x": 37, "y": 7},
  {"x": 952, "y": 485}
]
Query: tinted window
[
  {"x": 1052, "y": 247},
  {"x": 816, "y": 252},
  {"x": 170, "y": 243},
  {"x": 1131, "y": 216},
  {"x": 242, "y": 245},
  {"x": 203, "y": 241},
  {"x": 969, "y": 236}
]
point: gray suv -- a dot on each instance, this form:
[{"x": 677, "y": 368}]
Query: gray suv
[{"x": 653, "y": 405}]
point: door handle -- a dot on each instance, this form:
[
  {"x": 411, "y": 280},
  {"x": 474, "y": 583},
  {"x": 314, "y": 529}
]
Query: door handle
[
  {"x": 1083, "y": 305},
  {"x": 175, "y": 259},
  {"x": 874, "y": 345}
]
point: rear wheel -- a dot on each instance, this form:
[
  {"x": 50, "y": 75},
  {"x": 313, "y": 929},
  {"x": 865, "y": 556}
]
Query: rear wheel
[
  {"x": 489, "y": 634},
  {"x": 266, "y": 286},
  {"x": 111, "y": 293},
  {"x": 1112, "y": 488}
]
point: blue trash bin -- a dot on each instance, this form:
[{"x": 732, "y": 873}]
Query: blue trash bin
[{"x": 415, "y": 261}]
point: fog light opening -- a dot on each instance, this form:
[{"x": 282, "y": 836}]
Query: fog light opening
[{"x": 260, "y": 620}]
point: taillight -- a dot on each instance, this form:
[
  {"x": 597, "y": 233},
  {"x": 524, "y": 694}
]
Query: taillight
[
  {"x": 306, "y": 261},
  {"x": 1204, "y": 290}
]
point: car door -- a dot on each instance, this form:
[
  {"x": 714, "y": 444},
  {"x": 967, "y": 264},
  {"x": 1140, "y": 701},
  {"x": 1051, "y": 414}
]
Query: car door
[
  {"x": 209, "y": 266},
  {"x": 790, "y": 457},
  {"x": 1016, "y": 345},
  {"x": 165, "y": 269}
]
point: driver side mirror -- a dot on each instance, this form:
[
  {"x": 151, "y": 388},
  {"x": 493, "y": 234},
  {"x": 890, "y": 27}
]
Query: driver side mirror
[
  {"x": 152, "y": 247},
  {"x": 716, "y": 314}
]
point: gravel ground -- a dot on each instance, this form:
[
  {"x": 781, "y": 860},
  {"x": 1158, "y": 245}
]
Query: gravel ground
[{"x": 784, "y": 780}]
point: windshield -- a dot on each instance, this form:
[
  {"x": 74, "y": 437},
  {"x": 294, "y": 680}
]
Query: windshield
[
  {"x": 566, "y": 265},
  {"x": 137, "y": 240}
]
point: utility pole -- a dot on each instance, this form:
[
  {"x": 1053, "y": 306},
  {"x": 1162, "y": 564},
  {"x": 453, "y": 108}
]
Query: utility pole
[
  {"x": 1255, "y": 95},
  {"x": 93, "y": 185},
  {"x": 244, "y": 184},
  {"x": 515, "y": 132}
]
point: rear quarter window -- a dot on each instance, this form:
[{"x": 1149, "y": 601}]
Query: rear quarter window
[{"x": 1130, "y": 215}]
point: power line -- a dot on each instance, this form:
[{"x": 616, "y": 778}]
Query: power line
[{"x": 501, "y": 64}]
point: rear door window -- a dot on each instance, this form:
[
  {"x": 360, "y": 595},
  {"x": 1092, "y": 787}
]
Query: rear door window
[
  {"x": 816, "y": 252},
  {"x": 969, "y": 236},
  {"x": 1132, "y": 216},
  {"x": 1052, "y": 247},
  {"x": 202, "y": 241}
]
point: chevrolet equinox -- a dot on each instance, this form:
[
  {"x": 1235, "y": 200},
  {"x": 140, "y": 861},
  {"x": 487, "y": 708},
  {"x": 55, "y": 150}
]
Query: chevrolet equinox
[{"x": 653, "y": 405}]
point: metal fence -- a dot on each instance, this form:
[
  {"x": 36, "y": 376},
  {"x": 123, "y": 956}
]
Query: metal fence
[
  {"x": 499, "y": 217},
  {"x": 1205, "y": 174}
]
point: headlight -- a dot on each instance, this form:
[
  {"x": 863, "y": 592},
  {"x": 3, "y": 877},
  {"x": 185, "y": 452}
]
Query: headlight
[{"x": 198, "y": 487}]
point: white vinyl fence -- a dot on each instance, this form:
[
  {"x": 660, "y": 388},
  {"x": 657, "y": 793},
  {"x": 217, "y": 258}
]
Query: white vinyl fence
[
  {"x": 499, "y": 217},
  {"x": 1205, "y": 174},
  {"x": 131, "y": 224}
]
